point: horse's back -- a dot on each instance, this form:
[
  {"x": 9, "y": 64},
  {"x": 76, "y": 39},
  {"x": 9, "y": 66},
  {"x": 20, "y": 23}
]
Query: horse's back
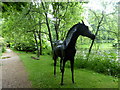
[{"x": 58, "y": 48}]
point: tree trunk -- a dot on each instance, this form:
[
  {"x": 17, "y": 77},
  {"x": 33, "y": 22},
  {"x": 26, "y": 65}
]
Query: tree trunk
[
  {"x": 56, "y": 30},
  {"x": 39, "y": 35},
  {"x": 57, "y": 22},
  {"x": 47, "y": 23},
  {"x": 40, "y": 43},
  {"x": 35, "y": 37}
]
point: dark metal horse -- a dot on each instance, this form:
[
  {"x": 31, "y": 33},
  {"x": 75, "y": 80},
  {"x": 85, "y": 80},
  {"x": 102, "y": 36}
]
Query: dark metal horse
[{"x": 66, "y": 49}]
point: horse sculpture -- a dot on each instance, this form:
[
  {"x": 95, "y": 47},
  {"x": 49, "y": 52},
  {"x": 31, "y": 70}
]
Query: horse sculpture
[{"x": 66, "y": 49}]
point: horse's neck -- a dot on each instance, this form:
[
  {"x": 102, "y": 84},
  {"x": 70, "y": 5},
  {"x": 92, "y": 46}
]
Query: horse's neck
[{"x": 71, "y": 42}]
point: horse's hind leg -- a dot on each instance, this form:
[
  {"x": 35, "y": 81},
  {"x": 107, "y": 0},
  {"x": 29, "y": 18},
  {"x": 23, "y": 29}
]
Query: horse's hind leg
[
  {"x": 61, "y": 64},
  {"x": 54, "y": 67},
  {"x": 63, "y": 67}
]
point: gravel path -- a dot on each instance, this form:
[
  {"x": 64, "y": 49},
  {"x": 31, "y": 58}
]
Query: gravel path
[{"x": 13, "y": 71}]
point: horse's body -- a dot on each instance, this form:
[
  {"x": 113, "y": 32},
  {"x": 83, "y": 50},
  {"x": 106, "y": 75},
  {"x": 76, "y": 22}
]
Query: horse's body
[{"x": 66, "y": 49}]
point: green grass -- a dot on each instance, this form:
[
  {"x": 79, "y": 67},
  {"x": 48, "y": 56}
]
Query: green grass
[{"x": 40, "y": 73}]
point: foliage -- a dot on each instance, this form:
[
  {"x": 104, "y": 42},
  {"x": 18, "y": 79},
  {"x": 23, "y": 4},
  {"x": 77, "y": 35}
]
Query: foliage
[
  {"x": 29, "y": 47},
  {"x": 3, "y": 49},
  {"x": 21, "y": 19},
  {"x": 31, "y": 15},
  {"x": 40, "y": 74},
  {"x": 108, "y": 29},
  {"x": 7, "y": 5},
  {"x": 102, "y": 62},
  {"x": 2, "y": 45}
]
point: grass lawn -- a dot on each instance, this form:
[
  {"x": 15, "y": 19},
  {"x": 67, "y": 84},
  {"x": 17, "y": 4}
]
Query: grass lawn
[{"x": 40, "y": 73}]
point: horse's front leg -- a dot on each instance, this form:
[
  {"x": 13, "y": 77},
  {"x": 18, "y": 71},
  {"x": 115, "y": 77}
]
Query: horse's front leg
[
  {"x": 72, "y": 69},
  {"x": 61, "y": 60},
  {"x": 54, "y": 67}
]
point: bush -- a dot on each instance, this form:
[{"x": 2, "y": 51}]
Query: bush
[
  {"x": 3, "y": 49},
  {"x": 104, "y": 62},
  {"x": 2, "y": 45},
  {"x": 25, "y": 47}
]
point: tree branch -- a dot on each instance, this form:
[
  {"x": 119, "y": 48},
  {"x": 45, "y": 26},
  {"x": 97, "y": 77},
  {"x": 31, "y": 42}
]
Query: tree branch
[
  {"x": 99, "y": 24},
  {"x": 37, "y": 31}
]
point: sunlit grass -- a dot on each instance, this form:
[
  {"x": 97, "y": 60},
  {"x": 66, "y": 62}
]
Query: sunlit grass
[{"x": 41, "y": 75}]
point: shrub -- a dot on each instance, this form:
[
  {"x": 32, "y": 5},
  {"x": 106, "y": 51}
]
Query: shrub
[
  {"x": 3, "y": 49},
  {"x": 2, "y": 45},
  {"x": 104, "y": 62},
  {"x": 25, "y": 47}
]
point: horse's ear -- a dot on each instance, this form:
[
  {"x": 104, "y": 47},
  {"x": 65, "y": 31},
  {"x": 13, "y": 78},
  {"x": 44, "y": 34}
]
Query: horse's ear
[{"x": 82, "y": 22}]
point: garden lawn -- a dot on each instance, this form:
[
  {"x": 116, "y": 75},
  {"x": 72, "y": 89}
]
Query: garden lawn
[{"x": 40, "y": 74}]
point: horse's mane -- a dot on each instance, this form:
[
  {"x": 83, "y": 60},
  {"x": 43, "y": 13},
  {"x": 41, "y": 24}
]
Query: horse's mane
[
  {"x": 70, "y": 34},
  {"x": 70, "y": 30}
]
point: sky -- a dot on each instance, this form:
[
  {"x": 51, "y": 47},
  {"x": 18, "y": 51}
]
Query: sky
[{"x": 97, "y": 5}]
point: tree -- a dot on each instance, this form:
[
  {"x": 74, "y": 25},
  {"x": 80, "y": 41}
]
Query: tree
[
  {"x": 98, "y": 26},
  {"x": 47, "y": 23},
  {"x": 105, "y": 25},
  {"x": 32, "y": 28}
]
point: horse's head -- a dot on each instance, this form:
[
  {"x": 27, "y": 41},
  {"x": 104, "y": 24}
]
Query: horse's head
[{"x": 84, "y": 31}]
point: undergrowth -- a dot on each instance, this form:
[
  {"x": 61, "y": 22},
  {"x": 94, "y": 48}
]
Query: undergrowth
[{"x": 105, "y": 62}]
